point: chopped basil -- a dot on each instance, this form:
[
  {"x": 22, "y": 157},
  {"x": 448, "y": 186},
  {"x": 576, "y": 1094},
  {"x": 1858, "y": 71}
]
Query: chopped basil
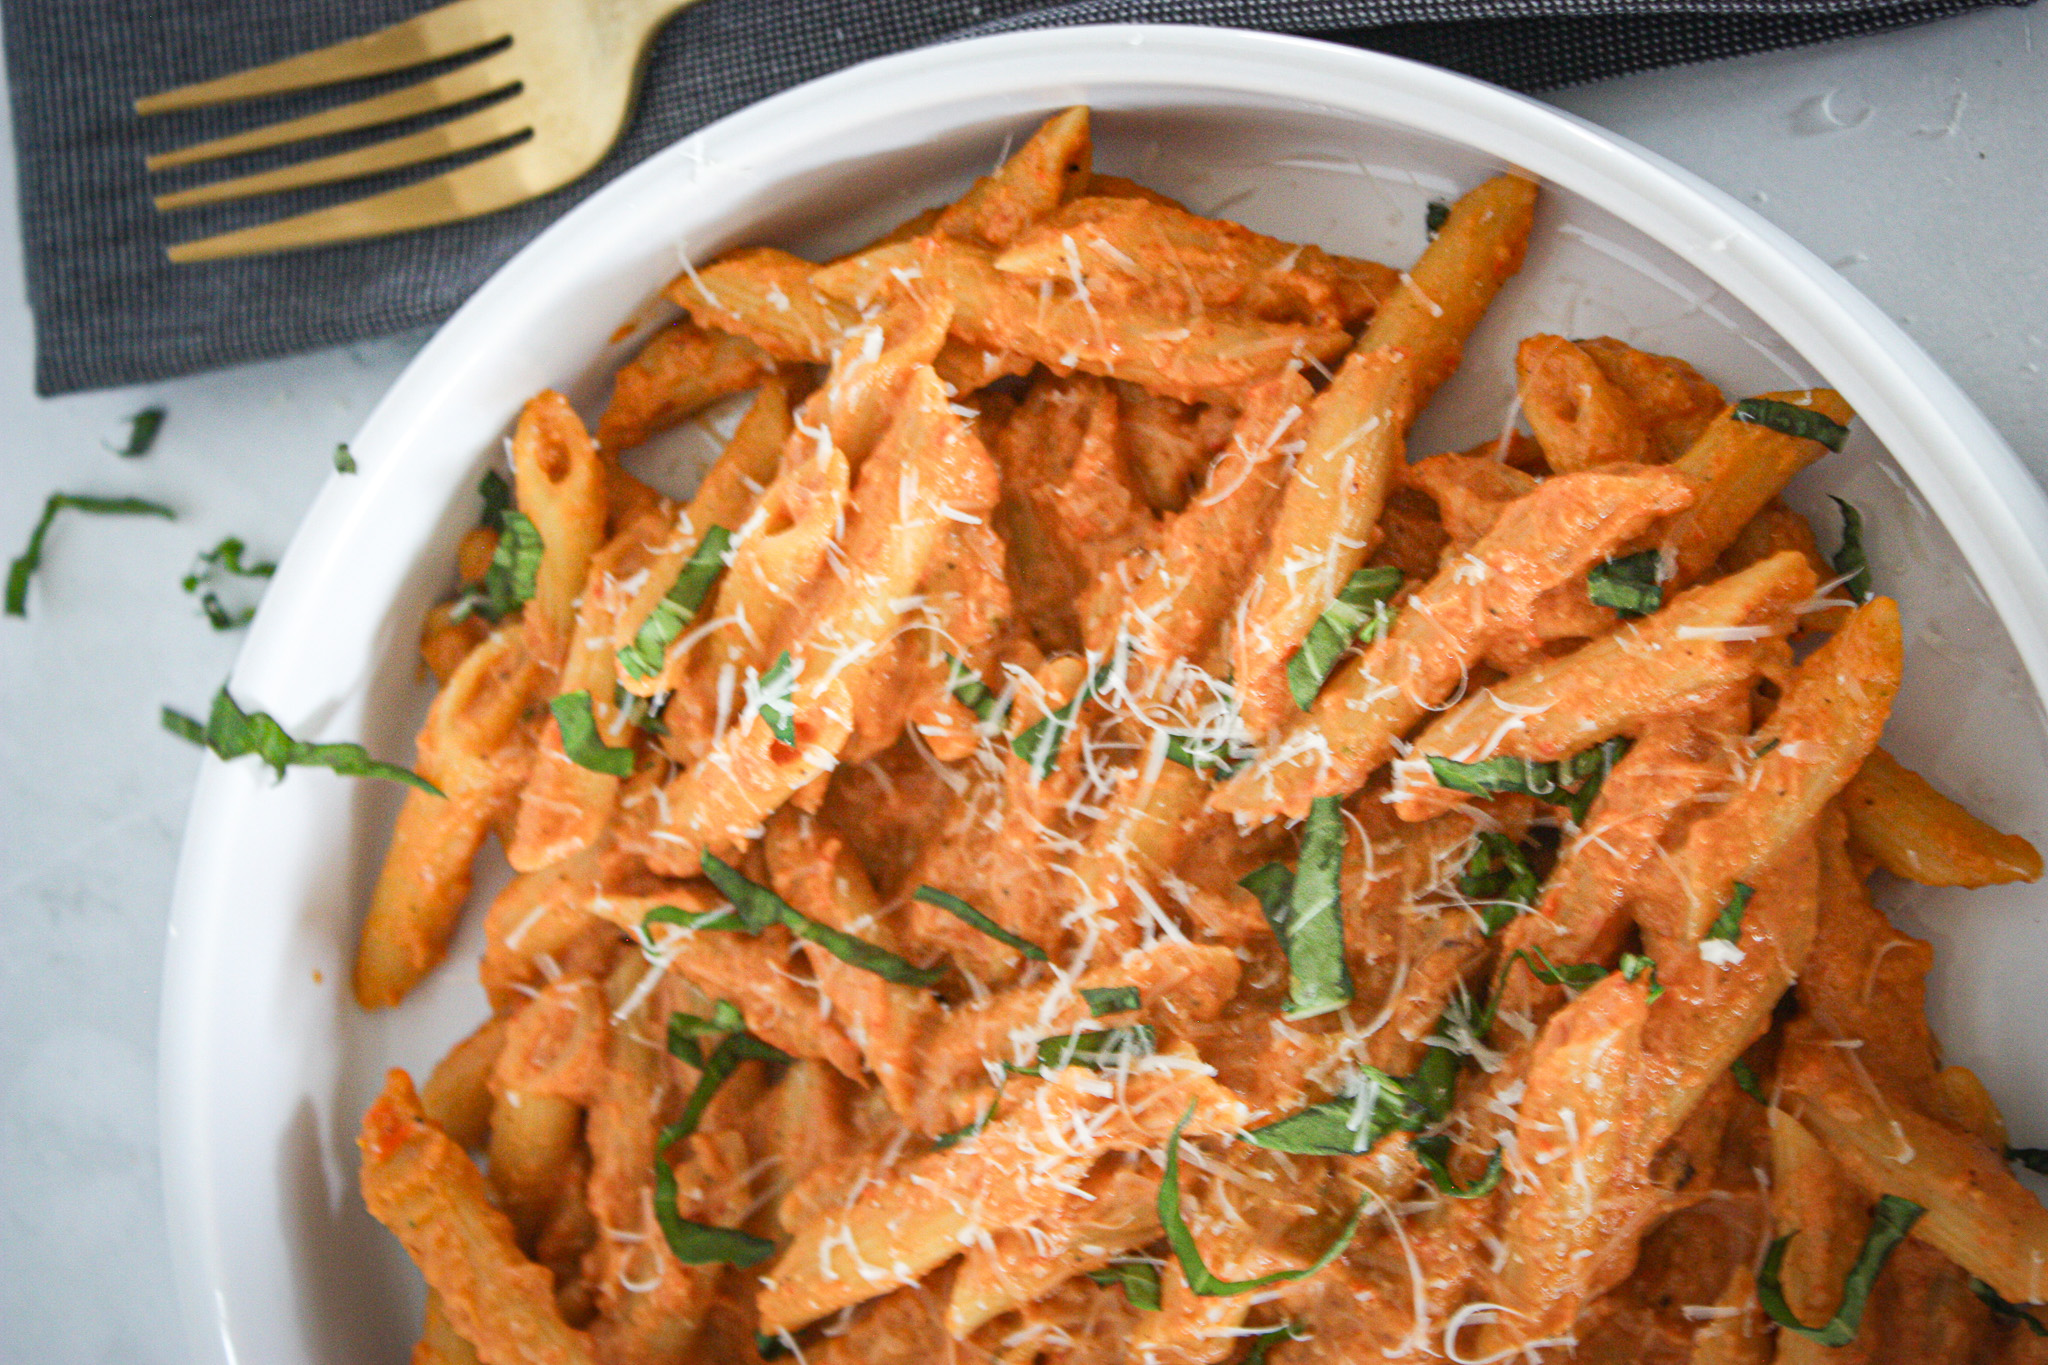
[
  {"x": 142, "y": 432},
  {"x": 2012, "y": 1312},
  {"x": 972, "y": 693},
  {"x": 1436, "y": 216},
  {"x": 1263, "y": 1343},
  {"x": 1376, "y": 1104},
  {"x": 1434, "y": 1154},
  {"x": 1573, "y": 975},
  {"x": 725, "y": 917},
  {"x": 2034, "y": 1159},
  {"x": 1637, "y": 965},
  {"x": 713, "y": 1069},
  {"x": 1629, "y": 584},
  {"x": 1745, "y": 1080},
  {"x": 1727, "y": 925},
  {"x": 1571, "y": 783},
  {"x": 232, "y": 733},
  {"x": 496, "y": 493},
  {"x": 776, "y": 691},
  {"x": 1432, "y": 1088},
  {"x": 344, "y": 463},
  {"x": 1138, "y": 1279},
  {"x": 1182, "y": 1240},
  {"x": 1768, "y": 745},
  {"x": 1805, "y": 423},
  {"x": 758, "y": 907},
  {"x": 1304, "y": 910},
  {"x": 1040, "y": 743},
  {"x": 581, "y": 741},
  {"x": 967, "y": 914},
  {"x": 1850, "y": 559},
  {"x": 515, "y": 564},
  {"x": 956, "y": 1136},
  {"x": 31, "y": 558},
  {"x": 642, "y": 713},
  {"x": 1105, "y": 1000},
  {"x": 1359, "y": 613},
  {"x": 1498, "y": 874},
  {"x": 1100, "y": 1049},
  {"x": 677, "y": 607},
  {"x": 1890, "y": 1221},
  {"x": 224, "y": 558},
  {"x": 1205, "y": 756},
  {"x": 694, "y": 1243}
]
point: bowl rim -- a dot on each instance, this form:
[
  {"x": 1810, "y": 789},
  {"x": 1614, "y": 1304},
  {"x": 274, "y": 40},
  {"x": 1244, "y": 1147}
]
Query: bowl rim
[{"x": 1973, "y": 482}]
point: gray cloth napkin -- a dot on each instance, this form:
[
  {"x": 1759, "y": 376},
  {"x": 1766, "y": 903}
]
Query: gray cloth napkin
[{"x": 110, "y": 310}]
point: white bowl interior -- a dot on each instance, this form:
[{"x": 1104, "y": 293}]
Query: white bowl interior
[{"x": 267, "y": 1062}]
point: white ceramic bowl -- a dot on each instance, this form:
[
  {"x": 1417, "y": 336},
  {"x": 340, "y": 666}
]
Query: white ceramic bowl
[{"x": 267, "y": 1064}]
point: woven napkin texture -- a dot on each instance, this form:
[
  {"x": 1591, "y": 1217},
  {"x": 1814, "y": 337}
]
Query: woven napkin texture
[{"x": 110, "y": 310}]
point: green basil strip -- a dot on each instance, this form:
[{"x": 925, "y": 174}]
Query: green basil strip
[
  {"x": 2010, "y": 1311},
  {"x": 1263, "y": 1342},
  {"x": 1206, "y": 757},
  {"x": 496, "y": 493},
  {"x": 1850, "y": 559},
  {"x": 758, "y": 907},
  {"x": 580, "y": 740},
  {"x": 1358, "y": 613},
  {"x": 1436, "y": 216},
  {"x": 694, "y": 1243},
  {"x": 1629, "y": 584},
  {"x": 231, "y": 732},
  {"x": 515, "y": 565},
  {"x": 1434, "y": 1154},
  {"x": 642, "y": 713},
  {"x": 2034, "y": 1159},
  {"x": 678, "y": 606},
  {"x": 737, "y": 1046},
  {"x": 344, "y": 463},
  {"x": 1791, "y": 420},
  {"x": 1346, "y": 1126},
  {"x": 967, "y": 914},
  {"x": 723, "y": 918},
  {"x": 1891, "y": 1220},
  {"x": 1572, "y": 783},
  {"x": 1182, "y": 1239},
  {"x": 1727, "y": 925},
  {"x": 1575, "y": 975},
  {"x": 1498, "y": 873},
  {"x": 777, "y": 691},
  {"x": 1103, "y": 1000},
  {"x": 226, "y": 558},
  {"x": 1745, "y": 1080},
  {"x": 771, "y": 1347},
  {"x": 1138, "y": 1279},
  {"x": 1039, "y": 744},
  {"x": 31, "y": 558},
  {"x": 971, "y": 692},
  {"x": 219, "y": 617},
  {"x": 956, "y": 1136},
  {"x": 1636, "y": 965},
  {"x": 1304, "y": 911},
  {"x": 1099, "y": 1049},
  {"x": 142, "y": 432},
  {"x": 1432, "y": 1088}
]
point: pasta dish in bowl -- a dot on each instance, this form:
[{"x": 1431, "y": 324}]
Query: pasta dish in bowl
[{"x": 1091, "y": 834}]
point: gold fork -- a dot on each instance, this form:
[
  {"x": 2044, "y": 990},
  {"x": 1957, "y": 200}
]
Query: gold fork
[{"x": 564, "y": 72}]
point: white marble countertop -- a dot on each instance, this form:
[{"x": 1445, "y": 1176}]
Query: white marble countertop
[{"x": 1915, "y": 162}]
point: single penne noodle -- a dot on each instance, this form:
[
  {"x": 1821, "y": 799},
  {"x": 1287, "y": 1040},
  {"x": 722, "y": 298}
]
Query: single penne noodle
[
  {"x": 1915, "y": 832},
  {"x": 1580, "y": 417},
  {"x": 560, "y": 483},
  {"x": 419, "y": 1184},
  {"x": 1046, "y": 171},
  {"x": 1552, "y": 536},
  {"x": 1743, "y": 465},
  {"x": 768, "y": 297},
  {"x": 1358, "y": 433},
  {"x": 472, "y": 750},
  {"x": 1824, "y": 727},
  {"x": 932, "y": 1206},
  {"x": 456, "y": 1097},
  {"x": 1977, "y": 1213},
  {"x": 1700, "y": 645},
  {"x": 680, "y": 371}
]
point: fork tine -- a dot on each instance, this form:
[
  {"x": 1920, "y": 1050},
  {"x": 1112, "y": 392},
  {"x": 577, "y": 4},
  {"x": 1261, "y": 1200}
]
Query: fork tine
[
  {"x": 482, "y": 187},
  {"x": 445, "y": 31},
  {"x": 465, "y": 134},
  {"x": 440, "y": 92}
]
